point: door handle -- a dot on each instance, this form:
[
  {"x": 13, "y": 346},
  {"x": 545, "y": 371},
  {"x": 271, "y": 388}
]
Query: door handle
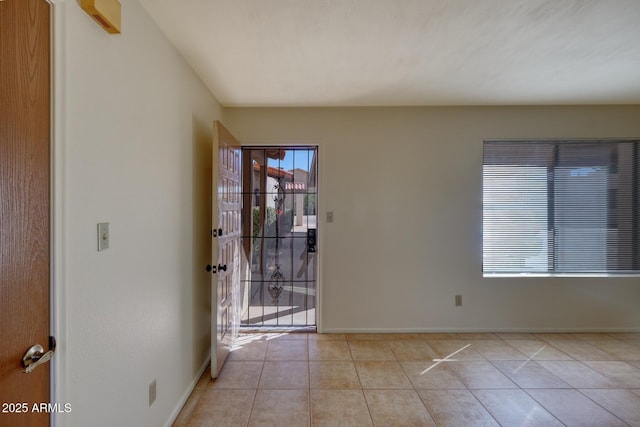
[
  {"x": 213, "y": 269},
  {"x": 36, "y": 356}
]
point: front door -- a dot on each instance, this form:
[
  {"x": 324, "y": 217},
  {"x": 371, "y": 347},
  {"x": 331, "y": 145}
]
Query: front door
[
  {"x": 24, "y": 207},
  {"x": 280, "y": 229},
  {"x": 226, "y": 233}
]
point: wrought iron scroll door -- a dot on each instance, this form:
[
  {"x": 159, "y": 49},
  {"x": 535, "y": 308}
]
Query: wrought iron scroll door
[{"x": 279, "y": 236}]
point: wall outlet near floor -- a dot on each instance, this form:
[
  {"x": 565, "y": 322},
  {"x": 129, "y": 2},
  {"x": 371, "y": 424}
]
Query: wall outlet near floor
[
  {"x": 458, "y": 300},
  {"x": 152, "y": 392}
]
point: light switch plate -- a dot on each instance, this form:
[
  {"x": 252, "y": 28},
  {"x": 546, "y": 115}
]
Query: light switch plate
[
  {"x": 103, "y": 236},
  {"x": 330, "y": 216}
]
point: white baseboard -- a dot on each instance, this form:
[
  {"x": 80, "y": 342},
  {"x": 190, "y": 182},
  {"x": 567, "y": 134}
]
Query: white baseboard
[
  {"x": 475, "y": 330},
  {"x": 187, "y": 393}
]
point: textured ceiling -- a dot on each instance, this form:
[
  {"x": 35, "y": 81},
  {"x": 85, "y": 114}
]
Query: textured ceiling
[{"x": 409, "y": 52}]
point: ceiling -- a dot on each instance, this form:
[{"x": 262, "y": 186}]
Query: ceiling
[{"x": 408, "y": 52}]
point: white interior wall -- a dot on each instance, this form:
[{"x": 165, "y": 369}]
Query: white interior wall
[
  {"x": 405, "y": 188},
  {"x": 133, "y": 148}
]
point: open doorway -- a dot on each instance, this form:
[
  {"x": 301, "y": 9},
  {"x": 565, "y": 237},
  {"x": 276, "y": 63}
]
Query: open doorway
[{"x": 280, "y": 193}]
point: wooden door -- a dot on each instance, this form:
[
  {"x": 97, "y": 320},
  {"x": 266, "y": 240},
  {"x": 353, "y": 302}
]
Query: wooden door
[
  {"x": 226, "y": 245},
  {"x": 24, "y": 207}
]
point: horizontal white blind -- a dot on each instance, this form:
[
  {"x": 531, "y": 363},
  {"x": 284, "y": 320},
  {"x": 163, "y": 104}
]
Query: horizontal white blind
[{"x": 561, "y": 207}]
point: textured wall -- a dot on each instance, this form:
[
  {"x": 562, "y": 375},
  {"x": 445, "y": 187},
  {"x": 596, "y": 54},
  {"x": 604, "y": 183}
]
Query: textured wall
[{"x": 133, "y": 148}]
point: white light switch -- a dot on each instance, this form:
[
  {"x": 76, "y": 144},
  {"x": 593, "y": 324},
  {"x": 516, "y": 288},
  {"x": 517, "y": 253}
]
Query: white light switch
[
  {"x": 103, "y": 236},
  {"x": 329, "y": 216}
]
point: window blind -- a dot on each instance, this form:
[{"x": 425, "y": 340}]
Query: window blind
[{"x": 561, "y": 207}]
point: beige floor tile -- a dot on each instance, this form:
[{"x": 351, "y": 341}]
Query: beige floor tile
[
  {"x": 515, "y": 408},
  {"x": 455, "y": 408},
  {"x": 333, "y": 375},
  {"x": 497, "y": 350},
  {"x": 245, "y": 338},
  {"x": 478, "y": 336},
  {"x": 515, "y": 336},
  {"x": 188, "y": 407},
  {"x": 287, "y": 350},
  {"x": 538, "y": 350},
  {"x": 329, "y": 350},
  {"x": 338, "y": 408},
  {"x": 277, "y": 408},
  {"x": 285, "y": 375},
  {"x": 440, "y": 336},
  {"x": 553, "y": 336},
  {"x": 324, "y": 337},
  {"x": 580, "y": 350},
  {"x": 529, "y": 374},
  {"x": 292, "y": 390},
  {"x": 455, "y": 349},
  {"x": 477, "y": 374},
  {"x": 623, "y": 374},
  {"x": 592, "y": 336},
  {"x": 619, "y": 350},
  {"x": 285, "y": 336},
  {"x": 250, "y": 350},
  {"x": 432, "y": 375},
  {"x": 574, "y": 409},
  {"x": 401, "y": 408},
  {"x": 371, "y": 350},
  {"x": 635, "y": 336},
  {"x": 222, "y": 408},
  {"x": 205, "y": 378},
  {"x": 403, "y": 336},
  {"x": 364, "y": 336},
  {"x": 577, "y": 374},
  {"x": 412, "y": 350},
  {"x": 382, "y": 375},
  {"x": 240, "y": 375},
  {"x": 625, "y": 404}
]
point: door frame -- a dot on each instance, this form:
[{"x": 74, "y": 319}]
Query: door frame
[
  {"x": 57, "y": 303},
  {"x": 320, "y": 207},
  {"x": 248, "y": 281}
]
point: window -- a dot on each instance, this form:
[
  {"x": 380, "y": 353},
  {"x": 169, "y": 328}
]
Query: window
[{"x": 561, "y": 207}]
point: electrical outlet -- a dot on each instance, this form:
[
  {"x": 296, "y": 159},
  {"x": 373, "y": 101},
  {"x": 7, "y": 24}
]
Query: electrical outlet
[
  {"x": 458, "y": 300},
  {"x": 152, "y": 392}
]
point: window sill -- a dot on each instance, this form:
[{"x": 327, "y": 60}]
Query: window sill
[{"x": 593, "y": 275}]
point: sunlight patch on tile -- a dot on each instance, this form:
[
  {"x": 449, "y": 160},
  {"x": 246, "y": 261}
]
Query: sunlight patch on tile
[{"x": 446, "y": 359}]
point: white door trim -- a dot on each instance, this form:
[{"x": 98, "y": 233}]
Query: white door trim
[{"x": 58, "y": 299}]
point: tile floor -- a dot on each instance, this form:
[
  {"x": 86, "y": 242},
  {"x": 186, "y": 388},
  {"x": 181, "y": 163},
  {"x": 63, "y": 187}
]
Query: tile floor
[{"x": 304, "y": 379}]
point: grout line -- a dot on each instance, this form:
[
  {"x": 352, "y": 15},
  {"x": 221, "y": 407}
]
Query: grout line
[{"x": 529, "y": 359}]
